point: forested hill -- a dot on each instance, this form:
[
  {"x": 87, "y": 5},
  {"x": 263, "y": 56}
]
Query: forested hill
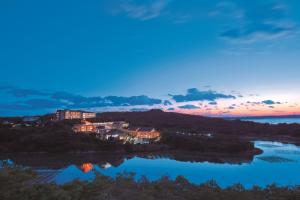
[{"x": 171, "y": 120}]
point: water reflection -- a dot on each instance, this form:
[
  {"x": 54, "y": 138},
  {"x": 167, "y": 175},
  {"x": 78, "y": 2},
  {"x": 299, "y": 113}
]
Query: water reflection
[
  {"x": 39, "y": 161},
  {"x": 86, "y": 167},
  {"x": 287, "y": 120},
  {"x": 275, "y": 159},
  {"x": 280, "y": 163}
]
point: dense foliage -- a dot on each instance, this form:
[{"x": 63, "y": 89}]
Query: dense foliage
[
  {"x": 52, "y": 137},
  {"x": 59, "y": 137},
  {"x": 179, "y": 132},
  {"x": 217, "y": 143},
  {"x": 16, "y": 184},
  {"x": 176, "y": 121}
]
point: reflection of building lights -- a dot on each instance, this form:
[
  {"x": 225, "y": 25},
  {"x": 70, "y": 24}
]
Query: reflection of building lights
[
  {"x": 106, "y": 166},
  {"x": 86, "y": 167}
]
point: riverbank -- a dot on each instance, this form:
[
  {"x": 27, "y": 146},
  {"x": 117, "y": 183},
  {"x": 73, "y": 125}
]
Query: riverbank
[
  {"x": 265, "y": 169},
  {"x": 281, "y": 138},
  {"x": 44, "y": 160},
  {"x": 183, "y": 137}
]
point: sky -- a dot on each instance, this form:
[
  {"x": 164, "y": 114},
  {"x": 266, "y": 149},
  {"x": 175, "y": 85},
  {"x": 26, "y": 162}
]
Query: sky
[{"x": 203, "y": 57}]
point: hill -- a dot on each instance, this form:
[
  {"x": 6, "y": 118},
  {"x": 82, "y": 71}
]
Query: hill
[{"x": 170, "y": 121}]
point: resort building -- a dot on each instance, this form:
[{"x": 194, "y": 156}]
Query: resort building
[
  {"x": 112, "y": 125},
  {"x": 74, "y": 114},
  {"x": 85, "y": 127},
  {"x": 118, "y": 131},
  {"x": 114, "y": 134},
  {"x": 88, "y": 115},
  {"x": 98, "y": 127},
  {"x": 143, "y": 133}
]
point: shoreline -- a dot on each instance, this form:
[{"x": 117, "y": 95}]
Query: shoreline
[{"x": 59, "y": 160}]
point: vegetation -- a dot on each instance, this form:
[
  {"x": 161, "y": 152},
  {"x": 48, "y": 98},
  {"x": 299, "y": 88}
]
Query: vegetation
[
  {"x": 179, "y": 132},
  {"x": 198, "y": 124},
  {"x": 50, "y": 137},
  {"x": 58, "y": 137},
  {"x": 16, "y": 184},
  {"x": 217, "y": 144}
]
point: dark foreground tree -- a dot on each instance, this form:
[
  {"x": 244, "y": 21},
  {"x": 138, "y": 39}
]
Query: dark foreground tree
[{"x": 16, "y": 184}]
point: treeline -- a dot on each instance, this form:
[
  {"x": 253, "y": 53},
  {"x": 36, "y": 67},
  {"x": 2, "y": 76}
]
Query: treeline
[
  {"x": 17, "y": 184},
  {"x": 52, "y": 137},
  {"x": 179, "y": 131},
  {"x": 176, "y": 121},
  {"x": 59, "y": 137},
  {"x": 217, "y": 143}
]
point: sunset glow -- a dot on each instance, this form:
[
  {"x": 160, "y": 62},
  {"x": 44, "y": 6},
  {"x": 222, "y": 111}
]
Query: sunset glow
[{"x": 229, "y": 58}]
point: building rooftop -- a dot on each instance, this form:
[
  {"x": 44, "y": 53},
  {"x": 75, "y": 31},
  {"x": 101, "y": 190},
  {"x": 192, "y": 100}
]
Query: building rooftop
[
  {"x": 64, "y": 110},
  {"x": 144, "y": 129}
]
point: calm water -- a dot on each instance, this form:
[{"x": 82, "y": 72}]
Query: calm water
[
  {"x": 274, "y": 120},
  {"x": 280, "y": 164}
]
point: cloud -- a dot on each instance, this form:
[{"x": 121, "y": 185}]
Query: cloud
[
  {"x": 13, "y": 106},
  {"x": 188, "y": 106},
  {"x": 257, "y": 21},
  {"x": 259, "y": 32},
  {"x": 131, "y": 101},
  {"x": 143, "y": 11},
  {"x": 72, "y": 98},
  {"x": 194, "y": 94},
  {"x": 270, "y": 102},
  {"x": 33, "y": 104},
  {"x": 167, "y": 103},
  {"x": 139, "y": 109},
  {"x": 77, "y": 101},
  {"x": 253, "y": 103},
  {"x": 25, "y": 101},
  {"x": 43, "y": 103},
  {"x": 213, "y": 103},
  {"x": 231, "y": 107},
  {"x": 38, "y": 99},
  {"x": 21, "y": 93}
]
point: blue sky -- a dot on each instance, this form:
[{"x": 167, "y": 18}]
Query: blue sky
[{"x": 159, "y": 48}]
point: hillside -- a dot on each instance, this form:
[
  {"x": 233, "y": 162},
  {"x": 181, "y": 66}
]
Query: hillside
[
  {"x": 179, "y": 132},
  {"x": 197, "y": 124}
]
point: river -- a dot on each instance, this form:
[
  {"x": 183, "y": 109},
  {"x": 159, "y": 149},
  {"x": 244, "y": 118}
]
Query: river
[
  {"x": 279, "y": 164},
  {"x": 275, "y": 120}
]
